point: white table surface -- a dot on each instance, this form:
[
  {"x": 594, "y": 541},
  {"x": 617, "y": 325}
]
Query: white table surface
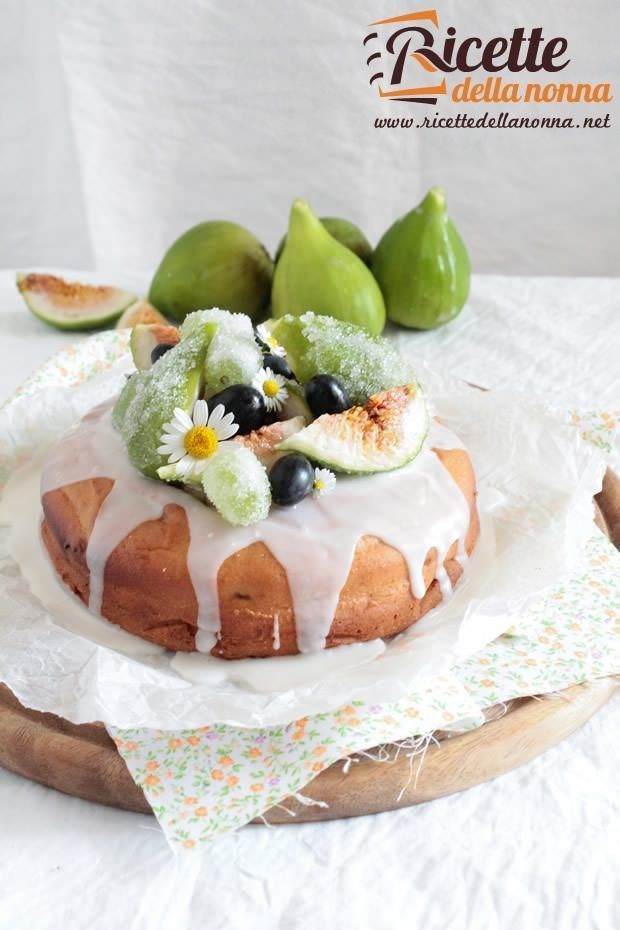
[{"x": 535, "y": 849}]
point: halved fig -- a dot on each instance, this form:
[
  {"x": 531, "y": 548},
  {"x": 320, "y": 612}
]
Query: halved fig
[
  {"x": 141, "y": 311},
  {"x": 386, "y": 433},
  {"x": 71, "y": 305},
  {"x": 263, "y": 441}
]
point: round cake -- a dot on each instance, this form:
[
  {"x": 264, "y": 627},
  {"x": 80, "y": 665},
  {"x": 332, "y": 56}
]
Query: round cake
[{"x": 345, "y": 517}]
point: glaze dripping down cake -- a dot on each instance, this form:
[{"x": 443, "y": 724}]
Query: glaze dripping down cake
[{"x": 245, "y": 502}]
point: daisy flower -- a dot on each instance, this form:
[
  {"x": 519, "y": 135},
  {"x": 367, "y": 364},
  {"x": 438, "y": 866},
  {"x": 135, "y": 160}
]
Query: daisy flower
[
  {"x": 324, "y": 482},
  {"x": 272, "y": 386},
  {"x": 189, "y": 442},
  {"x": 274, "y": 346}
]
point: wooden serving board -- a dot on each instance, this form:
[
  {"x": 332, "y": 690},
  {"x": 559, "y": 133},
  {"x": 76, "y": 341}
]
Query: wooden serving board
[{"x": 82, "y": 760}]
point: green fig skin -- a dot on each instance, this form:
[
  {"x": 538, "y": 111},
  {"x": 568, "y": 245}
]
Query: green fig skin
[
  {"x": 345, "y": 232},
  {"x": 422, "y": 266},
  {"x": 317, "y": 273},
  {"x": 214, "y": 264}
]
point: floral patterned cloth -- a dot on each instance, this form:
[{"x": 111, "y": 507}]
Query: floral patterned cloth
[
  {"x": 205, "y": 782},
  {"x": 201, "y": 783}
]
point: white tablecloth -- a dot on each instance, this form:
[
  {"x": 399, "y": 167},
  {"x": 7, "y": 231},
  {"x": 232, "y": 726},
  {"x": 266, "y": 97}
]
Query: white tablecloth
[{"x": 533, "y": 849}]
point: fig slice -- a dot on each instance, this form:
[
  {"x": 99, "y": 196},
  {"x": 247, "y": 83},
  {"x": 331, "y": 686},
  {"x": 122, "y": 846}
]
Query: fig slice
[
  {"x": 144, "y": 338},
  {"x": 71, "y": 305},
  {"x": 264, "y": 441},
  {"x": 384, "y": 434},
  {"x": 141, "y": 311}
]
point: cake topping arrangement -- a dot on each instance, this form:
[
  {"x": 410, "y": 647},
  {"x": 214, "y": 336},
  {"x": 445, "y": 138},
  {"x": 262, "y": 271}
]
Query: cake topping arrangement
[{"x": 293, "y": 427}]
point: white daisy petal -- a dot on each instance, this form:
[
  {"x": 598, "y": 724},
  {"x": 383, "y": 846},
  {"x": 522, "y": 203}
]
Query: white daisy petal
[
  {"x": 217, "y": 415},
  {"x": 184, "y": 465},
  {"x": 183, "y": 418},
  {"x": 200, "y": 413},
  {"x": 179, "y": 428},
  {"x": 171, "y": 439},
  {"x": 226, "y": 432},
  {"x": 176, "y": 456},
  {"x": 228, "y": 420}
]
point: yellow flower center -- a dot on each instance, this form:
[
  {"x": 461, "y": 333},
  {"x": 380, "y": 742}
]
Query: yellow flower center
[
  {"x": 319, "y": 485},
  {"x": 272, "y": 341},
  {"x": 271, "y": 387},
  {"x": 200, "y": 442}
]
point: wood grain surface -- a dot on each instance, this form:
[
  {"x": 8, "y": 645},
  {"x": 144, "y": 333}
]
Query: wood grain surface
[{"x": 82, "y": 760}]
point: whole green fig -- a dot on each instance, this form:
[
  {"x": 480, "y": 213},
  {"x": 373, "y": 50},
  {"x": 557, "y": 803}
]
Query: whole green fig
[
  {"x": 422, "y": 266},
  {"x": 214, "y": 264},
  {"x": 315, "y": 272},
  {"x": 346, "y": 232}
]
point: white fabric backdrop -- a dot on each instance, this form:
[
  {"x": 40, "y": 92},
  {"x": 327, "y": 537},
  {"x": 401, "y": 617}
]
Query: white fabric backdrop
[{"x": 122, "y": 123}]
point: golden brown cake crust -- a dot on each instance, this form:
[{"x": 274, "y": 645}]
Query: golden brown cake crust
[{"x": 148, "y": 590}]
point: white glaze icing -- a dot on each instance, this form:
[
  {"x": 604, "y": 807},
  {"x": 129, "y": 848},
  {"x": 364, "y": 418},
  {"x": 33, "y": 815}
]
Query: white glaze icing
[
  {"x": 413, "y": 509},
  {"x": 20, "y": 517}
]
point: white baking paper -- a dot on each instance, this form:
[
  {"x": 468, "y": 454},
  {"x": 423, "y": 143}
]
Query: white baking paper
[{"x": 536, "y": 480}]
